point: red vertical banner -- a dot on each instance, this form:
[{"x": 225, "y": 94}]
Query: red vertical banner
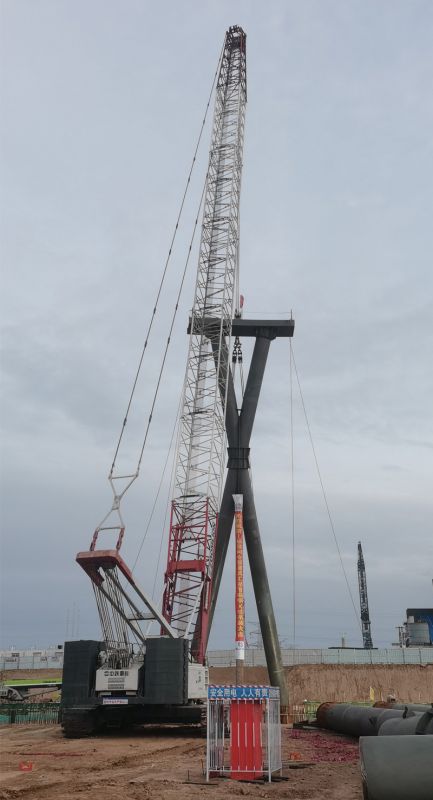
[{"x": 239, "y": 589}]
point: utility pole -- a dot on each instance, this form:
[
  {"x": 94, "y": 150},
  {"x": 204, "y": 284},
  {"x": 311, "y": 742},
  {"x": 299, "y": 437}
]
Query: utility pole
[{"x": 363, "y": 601}]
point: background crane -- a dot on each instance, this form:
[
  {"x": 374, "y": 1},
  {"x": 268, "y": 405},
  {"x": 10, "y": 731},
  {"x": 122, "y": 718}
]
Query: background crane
[{"x": 363, "y": 601}]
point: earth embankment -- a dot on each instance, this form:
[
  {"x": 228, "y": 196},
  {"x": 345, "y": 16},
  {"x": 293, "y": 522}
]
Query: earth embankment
[{"x": 411, "y": 682}]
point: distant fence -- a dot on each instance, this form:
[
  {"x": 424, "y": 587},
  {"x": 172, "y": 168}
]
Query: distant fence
[
  {"x": 32, "y": 660},
  {"x": 27, "y": 713},
  {"x": 255, "y": 656}
]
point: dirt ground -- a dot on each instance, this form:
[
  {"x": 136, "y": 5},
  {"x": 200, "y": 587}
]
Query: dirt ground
[
  {"x": 167, "y": 764},
  {"x": 156, "y": 764}
]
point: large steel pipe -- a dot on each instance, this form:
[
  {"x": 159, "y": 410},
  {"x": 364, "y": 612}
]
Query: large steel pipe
[
  {"x": 411, "y": 706},
  {"x": 392, "y": 713},
  {"x": 412, "y": 723},
  {"x": 347, "y": 718},
  {"x": 397, "y": 768},
  {"x": 355, "y": 720}
]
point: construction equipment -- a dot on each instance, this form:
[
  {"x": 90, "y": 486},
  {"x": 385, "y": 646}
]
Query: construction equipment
[
  {"x": 363, "y": 601},
  {"x": 10, "y": 693},
  {"x": 132, "y": 676}
]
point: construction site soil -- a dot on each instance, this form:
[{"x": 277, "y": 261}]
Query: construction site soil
[
  {"x": 164, "y": 764},
  {"x": 167, "y": 763}
]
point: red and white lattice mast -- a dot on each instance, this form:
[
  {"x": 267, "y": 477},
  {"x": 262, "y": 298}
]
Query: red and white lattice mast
[{"x": 201, "y": 437}]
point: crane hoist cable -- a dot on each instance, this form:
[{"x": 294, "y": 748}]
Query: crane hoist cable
[
  {"x": 331, "y": 522},
  {"x": 164, "y": 527},
  {"x": 130, "y": 478},
  {"x": 328, "y": 510},
  {"x": 118, "y": 495},
  {"x": 161, "y": 283},
  {"x": 158, "y": 492},
  {"x": 173, "y": 319},
  {"x": 292, "y": 482}
]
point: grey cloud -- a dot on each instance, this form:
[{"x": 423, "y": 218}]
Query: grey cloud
[{"x": 102, "y": 103}]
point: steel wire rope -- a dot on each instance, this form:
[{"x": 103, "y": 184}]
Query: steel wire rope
[
  {"x": 161, "y": 284},
  {"x": 292, "y": 359},
  {"x": 169, "y": 495},
  {"x": 292, "y": 472},
  {"x": 176, "y": 307},
  {"x": 159, "y": 486},
  {"x": 241, "y": 374},
  {"x": 331, "y": 522},
  {"x": 173, "y": 319}
]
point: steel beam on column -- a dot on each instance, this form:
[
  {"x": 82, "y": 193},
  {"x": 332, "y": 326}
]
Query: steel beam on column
[
  {"x": 239, "y": 428},
  {"x": 252, "y": 389}
]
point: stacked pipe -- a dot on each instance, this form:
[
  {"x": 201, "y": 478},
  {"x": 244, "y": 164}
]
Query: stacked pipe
[
  {"x": 394, "y": 764},
  {"x": 367, "y": 721}
]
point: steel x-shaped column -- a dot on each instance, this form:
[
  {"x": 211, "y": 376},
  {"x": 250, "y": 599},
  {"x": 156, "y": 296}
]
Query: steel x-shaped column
[{"x": 239, "y": 425}]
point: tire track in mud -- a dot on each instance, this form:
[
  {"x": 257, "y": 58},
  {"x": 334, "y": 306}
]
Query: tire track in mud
[{"x": 105, "y": 770}]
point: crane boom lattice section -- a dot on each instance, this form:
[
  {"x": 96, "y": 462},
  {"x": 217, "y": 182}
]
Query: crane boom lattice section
[
  {"x": 363, "y": 601},
  {"x": 201, "y": 437}
]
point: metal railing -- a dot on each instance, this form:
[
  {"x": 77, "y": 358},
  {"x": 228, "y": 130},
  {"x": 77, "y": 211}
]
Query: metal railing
[
  {"x": 35, "y": 660},
  {"x": 28, "y": 713},
  {"x": 243, "y": 732},
  {"x": 255, "y": 657}
]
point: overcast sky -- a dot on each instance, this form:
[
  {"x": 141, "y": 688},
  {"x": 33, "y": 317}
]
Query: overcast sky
[{"x": 101, "y": 104}]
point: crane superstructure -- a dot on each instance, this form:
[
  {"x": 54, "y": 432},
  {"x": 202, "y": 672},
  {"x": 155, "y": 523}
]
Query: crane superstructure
[
  {"x": 201, "y": 439},
  {"x": 363, "y": 601}
]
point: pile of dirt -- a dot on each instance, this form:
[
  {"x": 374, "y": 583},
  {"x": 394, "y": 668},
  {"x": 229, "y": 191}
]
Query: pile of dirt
[
  {"x": 410, "y": 683},
  {"x": 32, "y": 675}
]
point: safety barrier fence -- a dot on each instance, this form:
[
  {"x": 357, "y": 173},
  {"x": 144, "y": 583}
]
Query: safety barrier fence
[
  {"x": 27, "y": 713},
  {"x": 31, "y": 661},
  {"x": 243, "y": 732},
  {"x": 49, "y": 713},
  {"x": 255, "y": 657}
]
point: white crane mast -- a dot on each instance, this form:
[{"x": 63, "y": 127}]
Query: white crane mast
[{"x": 201, "y": 438}]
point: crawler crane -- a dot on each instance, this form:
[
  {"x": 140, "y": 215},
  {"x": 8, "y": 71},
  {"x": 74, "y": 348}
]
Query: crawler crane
[
  {"x": 133, "y": 676},
  {"x": 130, "y": 676}
]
